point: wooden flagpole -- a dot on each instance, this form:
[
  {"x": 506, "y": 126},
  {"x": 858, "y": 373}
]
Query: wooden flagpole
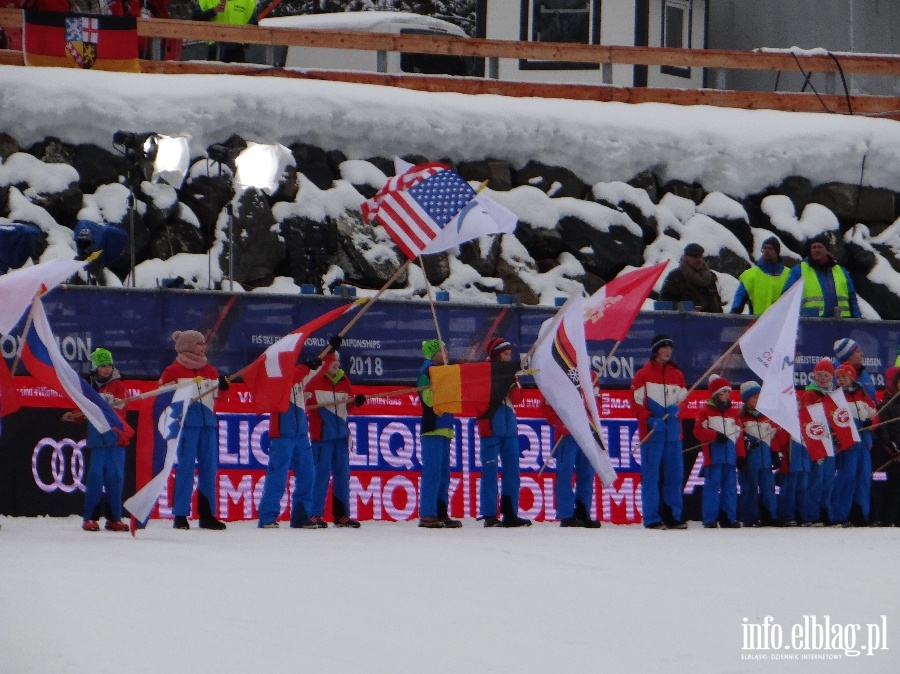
[
  {"x": 437, "y": 327},
  {"x": 369, "y": 302}
]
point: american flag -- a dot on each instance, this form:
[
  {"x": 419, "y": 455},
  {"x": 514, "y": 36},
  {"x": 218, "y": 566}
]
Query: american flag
[{"x": 421, "y": 203}]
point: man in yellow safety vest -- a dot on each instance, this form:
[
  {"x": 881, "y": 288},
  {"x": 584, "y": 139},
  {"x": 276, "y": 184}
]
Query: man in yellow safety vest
[{"x": 827, "y": 288}]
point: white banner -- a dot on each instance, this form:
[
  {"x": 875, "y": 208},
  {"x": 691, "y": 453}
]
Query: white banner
[{"x": 768, "y": 347}]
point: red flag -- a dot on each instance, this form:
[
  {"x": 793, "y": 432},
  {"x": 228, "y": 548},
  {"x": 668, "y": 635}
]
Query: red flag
[
  {"x": 270, "y": 377},
  {"x": 81, "y": 41},
  {"x": 610, "y": 311},
  {"x": 9, "y": 396},
  {"x": 816, "y": 431}
]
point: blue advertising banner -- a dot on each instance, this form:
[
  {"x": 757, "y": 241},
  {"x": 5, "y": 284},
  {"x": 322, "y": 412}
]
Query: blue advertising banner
[{"x": 383, "y": 347}]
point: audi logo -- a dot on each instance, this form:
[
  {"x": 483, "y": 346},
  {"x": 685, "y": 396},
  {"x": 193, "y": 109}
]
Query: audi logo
[{"x": 66, "y": 465}]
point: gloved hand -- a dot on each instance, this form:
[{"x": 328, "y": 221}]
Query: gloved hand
[
  {"x": 742, "y": 463},
  {"x": 866, "y": 424},
  {"x": 750, "y": 445},
  {"x": 655, "y": 424},
  {"x": 820, "y": 462},
  {"x": 673, "y": 410},
  {"x": 721, "y": 438},
  {"x": 224, "y": 383},
  {"x": 359, "y": 400},
  {"x": 313, "y": 363},
  {"x": 335, "y": 342},
  {"x": 776, "y": 460}
]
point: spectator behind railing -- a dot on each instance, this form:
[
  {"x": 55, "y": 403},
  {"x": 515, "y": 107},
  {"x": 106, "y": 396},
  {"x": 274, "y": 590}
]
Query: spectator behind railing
[{"x": 234, "y": 12}]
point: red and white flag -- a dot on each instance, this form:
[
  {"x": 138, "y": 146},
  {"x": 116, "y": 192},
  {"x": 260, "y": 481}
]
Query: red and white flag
[
  {"x": 564, "y": 378},
  {"x": 430, "y": 208},
  {"x": 816, "y": 431},
  {"x": 609, "y": 312},
  {"x": 843, "y": 425},
  {"x": 270, "y": 377}
]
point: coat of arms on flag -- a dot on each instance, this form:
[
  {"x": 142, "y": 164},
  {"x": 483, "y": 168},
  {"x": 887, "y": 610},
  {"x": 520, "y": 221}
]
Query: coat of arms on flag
[{"x": 81, "y": 39}]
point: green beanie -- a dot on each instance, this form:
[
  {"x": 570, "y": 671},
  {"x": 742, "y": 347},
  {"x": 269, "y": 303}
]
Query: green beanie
[
  {"x": 101, "y": 357},
  {"x": 431, "y": 347}
]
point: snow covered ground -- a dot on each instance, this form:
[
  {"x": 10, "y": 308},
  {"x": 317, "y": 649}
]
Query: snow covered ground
[{"x": 391, "y": 597}]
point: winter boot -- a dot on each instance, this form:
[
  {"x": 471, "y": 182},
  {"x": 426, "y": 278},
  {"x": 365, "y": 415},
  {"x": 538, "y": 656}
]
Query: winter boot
[
  {"x": 341, "y": 516},
  {"x": 444, "y": 516},
  {"x": 300, "y": 520},
  {"x": 431, "y": 523},
  {"x": 511, "y": 517},
  {"x": 581, "y": 513},
  {"x": 492, "y": 521},
  {"x": 181, "y": 522},
  {"x": 572, "y": 522},
  {"x": 320, "y": 523},
  {"x": 207, "y": 519}
]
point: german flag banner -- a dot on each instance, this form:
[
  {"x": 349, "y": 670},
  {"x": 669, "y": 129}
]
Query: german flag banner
[
  {"x": 475, "y": 389},
  {"x": 81, "y": 41}
]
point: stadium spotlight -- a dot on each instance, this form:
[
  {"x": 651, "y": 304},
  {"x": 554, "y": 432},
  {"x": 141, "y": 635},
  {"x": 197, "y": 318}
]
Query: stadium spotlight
[
  {"x": 256, "y": 166},
  {"x": 150, "y": 156}
]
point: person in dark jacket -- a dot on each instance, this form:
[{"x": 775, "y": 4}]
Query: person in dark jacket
[
  {"x": 693, "y": 282},
  {"x": 889, "y": 437},
  {"x": 435, "y": 438},
  {"x": 500, "y": 439}
]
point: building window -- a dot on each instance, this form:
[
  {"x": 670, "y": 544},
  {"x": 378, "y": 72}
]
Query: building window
[
  {"x": 676, "y": 31},
  {"x": 575, "y": 21}
]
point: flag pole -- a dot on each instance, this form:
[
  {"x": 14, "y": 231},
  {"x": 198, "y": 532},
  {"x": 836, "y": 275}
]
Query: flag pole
[
  {"x": 397, "y": 392},
  {"x": 369, "y": 301},
  {"x": 437, "y": 327},
  {"x": 552, "y": 329}
]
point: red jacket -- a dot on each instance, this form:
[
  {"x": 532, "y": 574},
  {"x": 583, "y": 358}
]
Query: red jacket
[
  {"x": 654, "y": 388},
  {"x": 710, "y": 422},
  {"x": 328, "y": 422}
]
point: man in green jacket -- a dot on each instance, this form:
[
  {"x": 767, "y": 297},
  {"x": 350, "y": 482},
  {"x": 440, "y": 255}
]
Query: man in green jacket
[
  {"x": 760, "y": 286},
  {"x": 233, "y": 12}
]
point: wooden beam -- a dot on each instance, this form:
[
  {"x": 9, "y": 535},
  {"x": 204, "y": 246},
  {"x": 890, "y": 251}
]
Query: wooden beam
[{"x": 871, "y": 64}]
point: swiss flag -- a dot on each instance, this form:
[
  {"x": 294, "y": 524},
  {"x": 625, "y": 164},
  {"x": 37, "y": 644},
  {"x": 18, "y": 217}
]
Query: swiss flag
[
  {"x": 270, "y": 377},
  {"x": 609, "y": 312}
]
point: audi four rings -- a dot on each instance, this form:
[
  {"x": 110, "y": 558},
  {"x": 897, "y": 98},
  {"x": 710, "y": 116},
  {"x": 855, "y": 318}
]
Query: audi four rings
[{"x": 66, "y": 464}]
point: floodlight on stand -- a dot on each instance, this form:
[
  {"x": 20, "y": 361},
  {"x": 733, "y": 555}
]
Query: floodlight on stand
[
  {"x": 150, "y": 156},
  {"x": 261, "y": 166},
  {"x": 170, "y": 160}
]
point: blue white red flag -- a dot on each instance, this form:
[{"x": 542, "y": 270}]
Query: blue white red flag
[
  {"x": 563, "y": 376},
  {"x": 430, "y": 208},
  {"x": 45, "y": 362},
  {"x": 20, "y": 286},
  {"x": 162, "y": 420}
]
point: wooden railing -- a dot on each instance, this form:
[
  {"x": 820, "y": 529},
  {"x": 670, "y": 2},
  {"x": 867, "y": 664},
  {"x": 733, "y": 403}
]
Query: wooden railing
[{"x": 857, "y": 64}]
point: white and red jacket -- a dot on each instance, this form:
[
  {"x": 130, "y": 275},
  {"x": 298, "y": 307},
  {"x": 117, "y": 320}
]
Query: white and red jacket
[{"x": 655, "y": 389}]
